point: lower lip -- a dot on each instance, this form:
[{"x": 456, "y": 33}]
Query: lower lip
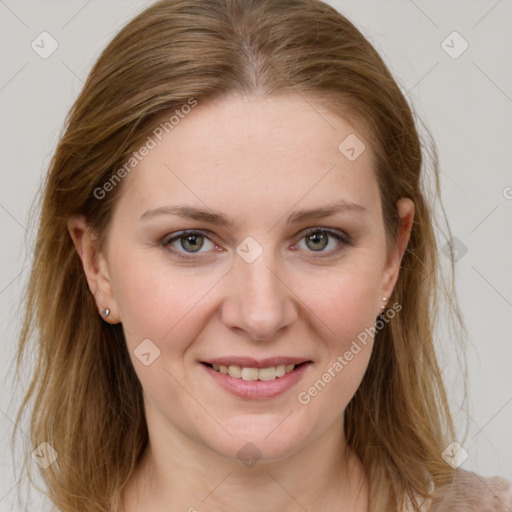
[{"x": 258, "y": 389}]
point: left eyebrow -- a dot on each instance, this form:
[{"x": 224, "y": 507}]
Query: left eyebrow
[
  {"x": 213, "y": 217},
  {"x": 327, "y": 211}
]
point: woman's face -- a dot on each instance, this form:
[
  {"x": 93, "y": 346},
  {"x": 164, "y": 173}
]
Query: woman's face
[{"x": 251, "y": 283}]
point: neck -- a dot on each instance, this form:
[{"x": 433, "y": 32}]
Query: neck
[{"x": 178, "y": 473}]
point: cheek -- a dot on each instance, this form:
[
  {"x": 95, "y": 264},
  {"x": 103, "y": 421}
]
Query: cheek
[
  {"x": 345, "y": 305},
  {"x": 165, "y": 308},
  {"x": 347, "y": 313},
  {"x": 344, "y": 300},
  {"x": 159, "y": 303}
]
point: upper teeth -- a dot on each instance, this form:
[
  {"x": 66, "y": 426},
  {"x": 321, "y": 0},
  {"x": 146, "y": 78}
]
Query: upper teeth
[{"x": 239, "y": 372}]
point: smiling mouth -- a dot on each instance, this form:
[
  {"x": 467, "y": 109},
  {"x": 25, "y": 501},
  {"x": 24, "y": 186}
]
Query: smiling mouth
[{"x": 244, "y": 373}]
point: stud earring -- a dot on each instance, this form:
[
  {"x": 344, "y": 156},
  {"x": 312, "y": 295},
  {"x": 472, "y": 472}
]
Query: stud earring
[
  {"x": 106, "y": 312},
  {"x": 384, "y": 306}
]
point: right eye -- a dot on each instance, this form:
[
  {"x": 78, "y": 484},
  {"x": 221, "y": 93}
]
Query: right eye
[{"x": 188, "y": 242}]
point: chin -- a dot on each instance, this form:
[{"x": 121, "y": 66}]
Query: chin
[{"x": 267, "y": 440}]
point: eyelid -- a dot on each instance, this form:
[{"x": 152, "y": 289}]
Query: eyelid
[
  {"x": 336, "y": 233},
  {"x": 340, "y": 236}
]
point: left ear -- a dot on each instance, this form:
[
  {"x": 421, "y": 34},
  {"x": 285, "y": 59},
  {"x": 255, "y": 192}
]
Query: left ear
[{"x": 405, "y": 209}]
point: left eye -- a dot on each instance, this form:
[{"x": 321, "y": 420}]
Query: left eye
[{"x": 316, "y": 239}]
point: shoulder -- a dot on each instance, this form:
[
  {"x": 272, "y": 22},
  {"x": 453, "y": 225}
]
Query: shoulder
[{"x": 470, "y": 492}]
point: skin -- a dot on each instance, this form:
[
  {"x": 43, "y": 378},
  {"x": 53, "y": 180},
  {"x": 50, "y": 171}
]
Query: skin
[{"x": 256, "y": 160}]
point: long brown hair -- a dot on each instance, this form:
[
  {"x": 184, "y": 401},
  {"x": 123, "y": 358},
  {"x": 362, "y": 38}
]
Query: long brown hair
[{"x": 85, "y": 398}]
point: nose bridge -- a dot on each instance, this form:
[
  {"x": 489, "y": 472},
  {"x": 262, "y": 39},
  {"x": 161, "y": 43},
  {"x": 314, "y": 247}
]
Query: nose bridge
[{"x": 260, "y": 303}]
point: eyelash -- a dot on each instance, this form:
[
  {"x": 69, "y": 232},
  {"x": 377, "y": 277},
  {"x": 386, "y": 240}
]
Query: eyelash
[{"x": 343, "y": 238}]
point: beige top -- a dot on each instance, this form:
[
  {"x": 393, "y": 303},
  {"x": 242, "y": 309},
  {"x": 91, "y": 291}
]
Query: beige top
[{"x": 470, "y": 492}]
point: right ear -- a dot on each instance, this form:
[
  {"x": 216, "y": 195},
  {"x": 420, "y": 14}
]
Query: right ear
[{"x": 95, "y": 266}]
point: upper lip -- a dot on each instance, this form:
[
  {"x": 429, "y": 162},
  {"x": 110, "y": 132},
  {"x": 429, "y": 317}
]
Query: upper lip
[{"x": 249, "y": 362}]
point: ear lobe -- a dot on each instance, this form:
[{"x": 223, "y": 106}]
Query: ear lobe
[{"x": 94, "y": 264}]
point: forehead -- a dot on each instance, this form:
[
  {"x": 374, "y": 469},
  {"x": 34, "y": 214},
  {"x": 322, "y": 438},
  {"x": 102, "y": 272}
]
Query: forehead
[{"x": 249, "y": 152}]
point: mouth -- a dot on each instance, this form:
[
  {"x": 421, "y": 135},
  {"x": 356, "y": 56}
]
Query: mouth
[
  {"x": 256, "y": 383},
  {"x": 249, "y": 373}
]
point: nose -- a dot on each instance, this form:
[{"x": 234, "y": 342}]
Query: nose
[{"x": 260, "y": 302}]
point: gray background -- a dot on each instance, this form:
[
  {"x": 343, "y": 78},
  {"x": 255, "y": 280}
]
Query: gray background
[{"x": 466, "y": 102}]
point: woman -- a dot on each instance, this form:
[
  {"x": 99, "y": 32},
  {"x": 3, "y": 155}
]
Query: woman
[{"x": 289, "y": 364}]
